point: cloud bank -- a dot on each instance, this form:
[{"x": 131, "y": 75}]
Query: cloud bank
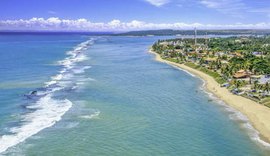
[
  {"x": 158, "y": 3},
  {"x": 57, "y": 24}
]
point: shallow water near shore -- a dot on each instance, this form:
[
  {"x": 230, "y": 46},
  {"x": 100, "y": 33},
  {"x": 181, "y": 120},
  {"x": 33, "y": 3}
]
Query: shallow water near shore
[{"x": 123, "y": 101}]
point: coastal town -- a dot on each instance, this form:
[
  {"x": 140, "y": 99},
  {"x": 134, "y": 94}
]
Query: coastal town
[{"x": 241, "y": 64}]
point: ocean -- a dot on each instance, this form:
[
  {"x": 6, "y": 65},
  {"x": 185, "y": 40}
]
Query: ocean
[{"x": 75, "y": 94}]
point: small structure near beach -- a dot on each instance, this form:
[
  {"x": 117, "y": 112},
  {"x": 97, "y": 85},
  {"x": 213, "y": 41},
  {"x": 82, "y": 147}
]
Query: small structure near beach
[
  {"x": 264, "y": 79},
  {"x": 256, "y": 53},
  {"x": 241, "y": 74},
  {"x": 209, "y": 60}
]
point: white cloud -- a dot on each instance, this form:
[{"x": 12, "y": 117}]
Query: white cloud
[
  {"x": 158, "y": 3},
  {"x": 231, "y": 7},
  {"x": 265, "y": 11},
  {"x": 57, "y": 24},
  {"x": 51, "y": 12},
  {"x": 114, "y": 23}
]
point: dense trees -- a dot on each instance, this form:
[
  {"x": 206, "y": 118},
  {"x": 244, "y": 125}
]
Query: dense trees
[
  {"x": 223, "y": 58},
  {"x": 240, "y": 50}
]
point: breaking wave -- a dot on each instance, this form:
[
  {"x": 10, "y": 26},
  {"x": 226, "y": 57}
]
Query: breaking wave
[
  {"x": 46, "y": 109},
  {"x": 237, "y": 116}
]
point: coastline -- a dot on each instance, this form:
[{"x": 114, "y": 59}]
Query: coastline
[{"x": 257, "y": 114}]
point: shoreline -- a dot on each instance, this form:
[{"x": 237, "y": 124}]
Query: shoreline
[{"x": 257, "y": 114}]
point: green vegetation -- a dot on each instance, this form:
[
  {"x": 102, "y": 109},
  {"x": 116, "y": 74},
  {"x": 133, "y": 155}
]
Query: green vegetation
[
  {"x": 172, "y": 60},
  {"x": 215, "y": 75},
  {"x": 242, "y": 64},
  {"x": 168, "y": 32},
  {"x": 266, "y": 102}
]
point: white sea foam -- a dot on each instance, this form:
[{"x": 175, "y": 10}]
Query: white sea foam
[
  {"x": 70, "y": 125},
  {"x": 184, "y": 70},
  {"x": 57, "y": 77},
  {"x": 91, "y": 116},
  {"x": 50, "y": 83},
  {"x": 238, "y": 116},
  {"x": 81, "y": 70},
  {"x": 47, "y": 110}
]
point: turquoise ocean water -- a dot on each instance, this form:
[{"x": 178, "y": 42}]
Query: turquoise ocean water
[{"x": 108, "y": 96}]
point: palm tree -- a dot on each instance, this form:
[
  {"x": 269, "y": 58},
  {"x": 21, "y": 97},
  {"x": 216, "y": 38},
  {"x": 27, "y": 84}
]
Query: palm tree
[
  {"x": 201, "y": 61},
  {"x": 256, "y": 84},
  {"x": 218, "y": 63},
  {"x": 267, "y": 87},
  {"x": 246, "y": 65},
  {"x": 226, "y": 73},
  {"x": 237, "y": 84}
]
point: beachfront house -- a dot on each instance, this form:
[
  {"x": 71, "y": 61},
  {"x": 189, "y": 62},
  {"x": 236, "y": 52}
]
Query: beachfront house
[
  {"x": 241, "y": 74},
  {"x": 264, "y": 79}
]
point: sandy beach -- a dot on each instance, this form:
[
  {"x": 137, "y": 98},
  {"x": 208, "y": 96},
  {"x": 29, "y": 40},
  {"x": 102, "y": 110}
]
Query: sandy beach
[{"x": 258, "y": 115}]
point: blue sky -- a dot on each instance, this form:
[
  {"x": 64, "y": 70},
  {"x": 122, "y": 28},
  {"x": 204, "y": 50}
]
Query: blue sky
[{"x": 109, "y": 15}]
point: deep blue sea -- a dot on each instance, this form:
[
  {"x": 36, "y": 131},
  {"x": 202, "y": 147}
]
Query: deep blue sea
[{"x": 68, "y": 94}]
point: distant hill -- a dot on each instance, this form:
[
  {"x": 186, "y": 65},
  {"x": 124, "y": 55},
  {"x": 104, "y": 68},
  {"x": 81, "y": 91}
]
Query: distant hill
[
  {"x": 169, "y": 32},
  {"x": 162, "y": 32}
]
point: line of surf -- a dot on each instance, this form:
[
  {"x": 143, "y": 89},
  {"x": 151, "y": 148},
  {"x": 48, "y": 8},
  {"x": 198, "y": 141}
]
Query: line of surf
[
  {"x": 47, "y": 110},
  {"x": 237, "y": 116},
  {"x": 233, "y": 115}
]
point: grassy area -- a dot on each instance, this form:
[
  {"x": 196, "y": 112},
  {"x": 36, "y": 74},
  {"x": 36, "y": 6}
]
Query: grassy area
[
  {"x": 251, "y": 98},
  {"x": 268, "y": 104},
  {"x": 192, "y": 65},
  {"x": 213, "y": 74},
  {"x": 266, "y": 101},
  {"x": 172, "y": 60}
]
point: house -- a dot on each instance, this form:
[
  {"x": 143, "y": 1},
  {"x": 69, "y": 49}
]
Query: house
[
  {"x": 264, "y": 79},
  {"x": 255, "y": 77},
  {"x": 225, "y": 85},
  {"x": 224, "y": 62},
  {"x": 256, "y": 53},
  {"x": 209, "y": 60},
  {"x": 241, "y": 74},
  {"x": 220, "y": 54},
  {"x": 238, "y": 55}
]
